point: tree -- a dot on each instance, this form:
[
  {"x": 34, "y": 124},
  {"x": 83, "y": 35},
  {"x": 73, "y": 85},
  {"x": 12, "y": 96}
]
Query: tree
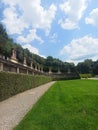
[
  {"x": 95, "y": 68},
  {"x": 85, "y": 67},
  {"x": 49, "y": 61},
  {"x": 3, "y": 32},
  {"x": 38, "y": 59},
  {"x": 19, "y": 53}
]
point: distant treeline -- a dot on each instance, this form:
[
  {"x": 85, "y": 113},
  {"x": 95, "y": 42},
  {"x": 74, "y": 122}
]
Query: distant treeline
[
  {"x": 88, "y": 67},
  {"x": 6, "y": 45}
]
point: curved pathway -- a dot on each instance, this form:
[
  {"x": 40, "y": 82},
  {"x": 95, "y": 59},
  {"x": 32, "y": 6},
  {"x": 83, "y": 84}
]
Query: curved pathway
[{"x": 14, "y": 109}]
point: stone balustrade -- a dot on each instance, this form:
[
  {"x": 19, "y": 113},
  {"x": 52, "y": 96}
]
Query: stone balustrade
[{"x": 12, "y": 65}]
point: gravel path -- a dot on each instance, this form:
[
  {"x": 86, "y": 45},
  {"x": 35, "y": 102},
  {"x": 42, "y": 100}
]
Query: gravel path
[{"x": 14, "y": 109}]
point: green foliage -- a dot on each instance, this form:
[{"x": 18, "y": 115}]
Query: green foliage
[
  {"x": 88, "y": 66},
  {"x": 95, "y": 68},
  {"x": 85, "y": 67},
  {"x": 4, "y": 39},
  {"x": 3, "y": 32},
  {"x": 20, "y": 53},
  {"x": 6, "y": 45},
  {"x": 11, "y": 84},
  {"x": 56, "y": 64},
  {"x": 67, "y": 105},
  {"x": 85, "y": 75},
  {"x": 38, "y": 59}
]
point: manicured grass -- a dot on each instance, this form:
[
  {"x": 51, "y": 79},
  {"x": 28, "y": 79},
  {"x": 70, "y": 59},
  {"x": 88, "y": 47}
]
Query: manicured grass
[{"x": 67, "y": 105}]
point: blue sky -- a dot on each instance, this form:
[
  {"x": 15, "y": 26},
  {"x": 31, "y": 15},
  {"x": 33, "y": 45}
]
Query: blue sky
[{"x": 64, "y": 29}]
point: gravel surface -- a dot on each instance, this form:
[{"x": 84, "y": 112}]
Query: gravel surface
[{"x": 14, "y": 109}]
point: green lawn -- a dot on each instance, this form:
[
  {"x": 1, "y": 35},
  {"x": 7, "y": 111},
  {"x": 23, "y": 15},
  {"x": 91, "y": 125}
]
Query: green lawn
[{"x": 68, "y": 105}]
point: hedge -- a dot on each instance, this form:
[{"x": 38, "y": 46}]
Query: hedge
[
  {"x": 12, "y": 84},
  {"x": 85, "y": 75}
]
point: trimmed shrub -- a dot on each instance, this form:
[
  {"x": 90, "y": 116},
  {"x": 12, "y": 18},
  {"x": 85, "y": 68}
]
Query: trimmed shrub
[
  {"x": 85, "y": 75},
  {"x": 12, "y": 84}
]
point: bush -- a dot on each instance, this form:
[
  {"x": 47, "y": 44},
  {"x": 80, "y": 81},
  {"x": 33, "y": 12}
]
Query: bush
[
  {"x": 85, "y": 75},
  {"x": 12, "y": 84}
]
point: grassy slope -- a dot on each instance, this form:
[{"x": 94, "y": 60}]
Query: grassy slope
[{"x": 68, "y": 105}]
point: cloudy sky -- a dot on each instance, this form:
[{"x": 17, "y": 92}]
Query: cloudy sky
[{"x": 64, "y": 29}]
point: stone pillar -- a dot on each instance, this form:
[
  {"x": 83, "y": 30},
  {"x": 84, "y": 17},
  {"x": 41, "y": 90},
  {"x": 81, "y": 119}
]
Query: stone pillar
[
  {"x": 7, "y": 58},
  {"x": 69, "y": 71},
  {"x": 27, "y": 71},
  {"x": 13, "y": 57},
  {"x": 18, "y": 70},
  {"x": 35, "y": 66},
  {"x": 25, "y": 62},
  {"x": 31, "y": 65},
  {"x": 42, "y": 69},
  {"x": 1, "y": 56},
  {"x": 59, "y": 72},
  {"x": 50, "y": 72},
  {"x": 38, "y": 67},
  {"x": 4, "y": 57},
  {"x": 32, "y": 73},
  {"x": 1, "y": 66}
]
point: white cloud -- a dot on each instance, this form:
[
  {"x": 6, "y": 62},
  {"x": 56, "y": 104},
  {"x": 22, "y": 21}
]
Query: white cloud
[
  {"x": 68, "y": 24},
  {"x": 31, "y": 49},
  {"x": 73, "y": 11},
  {"x": 14, "y": 23},
  {"x": 79, "y": 49},
  {"x": 93, "y": 17},
  {"x": 30, "y": 37},
  {"x": 53, "y": 38},
  {"x": 19, "y": 15}
]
